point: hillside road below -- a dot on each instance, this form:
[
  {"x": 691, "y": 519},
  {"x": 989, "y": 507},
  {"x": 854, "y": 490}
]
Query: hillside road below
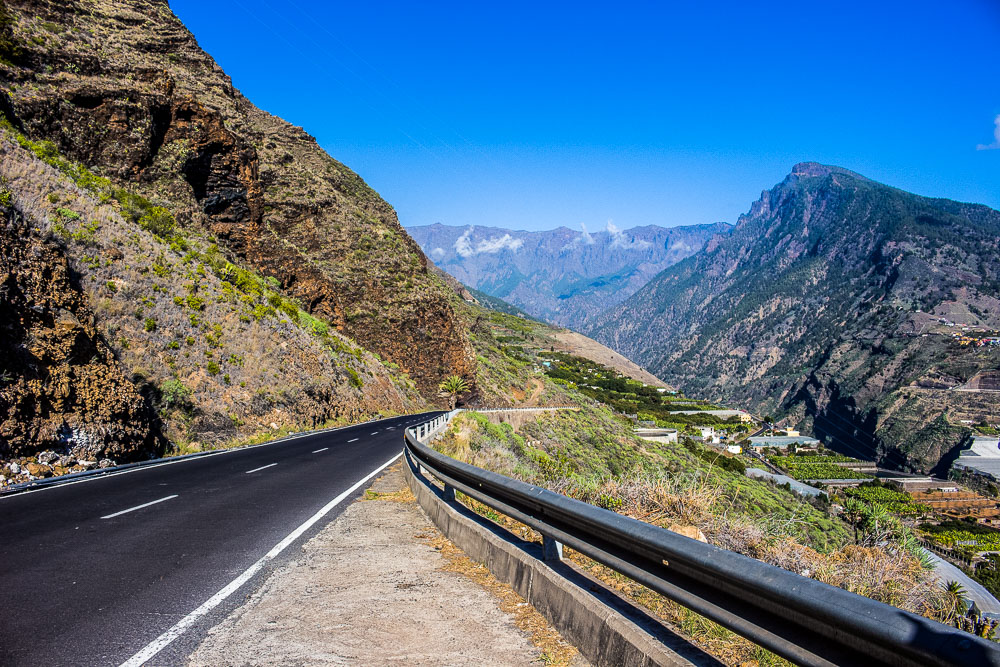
[{"x": 98, "y": 571}]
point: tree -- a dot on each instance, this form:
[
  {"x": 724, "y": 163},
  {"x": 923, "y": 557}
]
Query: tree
[
  {"x": 955, "y": 601},
  {"x": 453, "y": 387},
  {"x": 854, "y": 513}
]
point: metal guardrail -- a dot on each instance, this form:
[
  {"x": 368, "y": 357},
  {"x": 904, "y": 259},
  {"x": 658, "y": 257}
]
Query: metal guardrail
[{"x": 800, "y": 619}]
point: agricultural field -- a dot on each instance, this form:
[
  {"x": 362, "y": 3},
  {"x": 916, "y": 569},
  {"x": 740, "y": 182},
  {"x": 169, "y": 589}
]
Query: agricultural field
[
  {"x": 629, "y": 396},
  {"x": 821, "y": 465},
  {"x": 963, "y": 535},
  {"x": 895, "y": 502}
]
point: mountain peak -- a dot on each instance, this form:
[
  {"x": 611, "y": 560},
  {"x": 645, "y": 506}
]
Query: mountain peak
[{"x": 815, "y": 170}]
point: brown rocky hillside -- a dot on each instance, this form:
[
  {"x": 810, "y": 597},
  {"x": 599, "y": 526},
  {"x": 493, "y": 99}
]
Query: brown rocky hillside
[
  {"x": 123, "y": 88},
  {"x": 61, "y": 386},
  {"x": 108, "y": 322}
]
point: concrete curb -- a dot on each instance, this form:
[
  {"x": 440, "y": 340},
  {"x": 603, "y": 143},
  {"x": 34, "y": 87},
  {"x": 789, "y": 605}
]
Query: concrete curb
[{"x": 606, "y": 629}]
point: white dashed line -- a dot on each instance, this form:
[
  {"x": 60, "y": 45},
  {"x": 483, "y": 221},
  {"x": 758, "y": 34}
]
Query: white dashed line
[
  {"x": 353, "y": 440},
  {"x": 375, "y": 433},
  {"x": 158, "y": 644},
  {"x": 261, "y": 468},
  {"x": 317, "y": 451},
  {"x": 137, "y": 507}
]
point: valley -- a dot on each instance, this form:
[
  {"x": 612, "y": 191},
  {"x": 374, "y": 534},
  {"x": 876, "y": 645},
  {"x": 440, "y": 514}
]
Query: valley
[
  {"x": 214, "y": 335},
  {"x": 561, "y": 276}
]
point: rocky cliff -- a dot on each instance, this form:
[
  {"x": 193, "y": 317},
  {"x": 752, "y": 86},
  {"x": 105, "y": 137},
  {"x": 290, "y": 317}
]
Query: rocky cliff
[
  {"x": 123, "y": 88},
  {"x": 105, "y": 302},
  {"x": 181, "y": 270},
  {"x": 835, "y": 302},
  {"x": 561, "y": 276},
  {"x": 61, "y": 387}
]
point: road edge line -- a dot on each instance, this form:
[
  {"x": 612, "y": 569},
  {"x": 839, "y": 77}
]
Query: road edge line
[
  {"x": 92, "y": 475},
  {"x": 182, "y": 625}
]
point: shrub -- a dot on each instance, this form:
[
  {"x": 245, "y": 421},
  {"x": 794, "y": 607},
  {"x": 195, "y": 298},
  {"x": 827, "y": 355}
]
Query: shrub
[
  {"x": 86, "y": 235},
  {"x": 356, "y": 380},
  {"x": 212, "y": 368},
  {"x": 173, "y": 394},
  {"x": 149, "y": 324},
  {"x": 67, "y": 214}
]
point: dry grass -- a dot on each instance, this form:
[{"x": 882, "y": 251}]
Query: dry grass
[
  {"x": 404, "y": 495},
  {"x": 887, "y": 575}
]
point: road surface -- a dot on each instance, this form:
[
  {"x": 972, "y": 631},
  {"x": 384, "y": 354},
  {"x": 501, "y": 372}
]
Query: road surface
[
  {"x": 974, "y": 591},
  {"x": 98, "y": 571}
]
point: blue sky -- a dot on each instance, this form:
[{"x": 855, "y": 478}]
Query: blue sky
[{"x": 534, "y": 115}]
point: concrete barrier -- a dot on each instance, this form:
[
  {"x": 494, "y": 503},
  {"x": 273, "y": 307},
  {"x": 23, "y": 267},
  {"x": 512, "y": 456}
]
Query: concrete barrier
[{"x": 606, "y": 629}]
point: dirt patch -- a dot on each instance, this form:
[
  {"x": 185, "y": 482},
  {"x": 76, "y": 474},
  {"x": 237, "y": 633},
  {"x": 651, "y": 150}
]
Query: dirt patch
[
  {"x": 381, "y": 585},
  {"x": 581, "y": 346}
]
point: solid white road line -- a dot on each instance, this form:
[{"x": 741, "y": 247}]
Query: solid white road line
[
  {"x": 173, "y": 633},
  {"x": 172, "y": 461},
  {"x": 317, "y": 451},
  {"x": 138, "y": 507},
  {"x": 353, "y": 440},
  {"x": 261, "y": 468}
]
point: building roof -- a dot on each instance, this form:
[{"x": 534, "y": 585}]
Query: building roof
[
  {"x": 722, "y": 414},
  {"x": 983, "y": 455},
  {"x": 781, "y": 440}
]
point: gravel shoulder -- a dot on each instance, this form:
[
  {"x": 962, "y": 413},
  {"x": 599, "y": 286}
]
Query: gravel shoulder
[{"x": 381, "y": 585}]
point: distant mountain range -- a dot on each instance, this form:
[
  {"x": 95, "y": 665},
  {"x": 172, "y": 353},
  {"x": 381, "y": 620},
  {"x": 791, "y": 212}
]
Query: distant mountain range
[
  {"x": 834, "y": 302},
  {"x": 561, "y": 276}
]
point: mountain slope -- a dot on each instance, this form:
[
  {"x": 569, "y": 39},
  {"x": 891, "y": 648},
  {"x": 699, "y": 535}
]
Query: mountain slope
[
  {"x": 815, "y": 307},
  {"x": 123, "y": 88},
  {"x": 560, "y": 275},
  {"x": 116, "y": 333}
]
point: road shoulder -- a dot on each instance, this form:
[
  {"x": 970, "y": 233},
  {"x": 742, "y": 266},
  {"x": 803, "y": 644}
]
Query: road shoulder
[{"x": 380, "y": 584}]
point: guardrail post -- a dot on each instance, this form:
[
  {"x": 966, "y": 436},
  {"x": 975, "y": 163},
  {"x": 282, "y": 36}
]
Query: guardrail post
[
  {"x": 449, "y": 493},
  {"x": 551, "y": 549}
]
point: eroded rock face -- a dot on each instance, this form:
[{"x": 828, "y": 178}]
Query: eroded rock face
[
  {"x": 833, "y": 303},
  {"x": 60, "y": 386},
  {"x": 124, "y": 88}
]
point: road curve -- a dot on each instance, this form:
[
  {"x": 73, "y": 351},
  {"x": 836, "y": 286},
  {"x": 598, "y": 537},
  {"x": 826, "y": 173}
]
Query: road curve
[{"x": 95, "y": 571}]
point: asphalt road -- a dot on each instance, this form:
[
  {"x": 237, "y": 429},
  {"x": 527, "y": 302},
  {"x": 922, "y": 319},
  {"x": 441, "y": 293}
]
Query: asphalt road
[
  {"x": 94, "y": 571},
  {"x": 974, "y": 591}
]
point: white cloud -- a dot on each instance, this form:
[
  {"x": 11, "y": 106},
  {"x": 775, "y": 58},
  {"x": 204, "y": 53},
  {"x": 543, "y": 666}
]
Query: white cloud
[
  {"x": 618, "y": 239},
  {"x": 437, "y": 253},
  {"x": 996, "y": 137},
  {"x": 462, "y": 244},
  {"x": 465, "y": 248},
  {"x": 681, "y": 246},
  {"x": 585, "y": 238},
  {"x": 494, "y": 245}
]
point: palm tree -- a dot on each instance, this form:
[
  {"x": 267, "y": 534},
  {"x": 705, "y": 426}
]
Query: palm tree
[
  {"x": 854, "y": 514},
  {"x": 453, "y": 387},
  {"x": 955, "y": 601}
]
